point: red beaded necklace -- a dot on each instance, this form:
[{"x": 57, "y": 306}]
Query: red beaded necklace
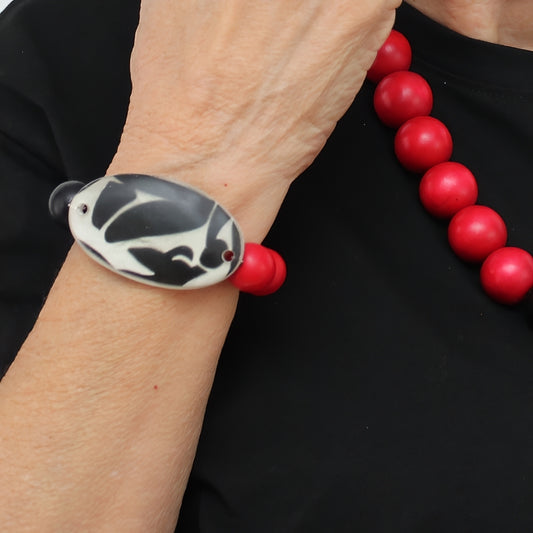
[{"x": 448, "y": 190}]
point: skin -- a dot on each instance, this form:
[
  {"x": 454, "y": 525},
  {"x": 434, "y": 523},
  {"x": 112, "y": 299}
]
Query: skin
[
  {"x": 102, "y": 408},
  {"x": 507, "y": 22}
]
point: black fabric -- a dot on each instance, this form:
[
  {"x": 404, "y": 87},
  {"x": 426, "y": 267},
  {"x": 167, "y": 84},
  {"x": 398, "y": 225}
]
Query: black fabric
[
  {"x": 379, "y": 390},
  {"x": 64, "y": 88}
]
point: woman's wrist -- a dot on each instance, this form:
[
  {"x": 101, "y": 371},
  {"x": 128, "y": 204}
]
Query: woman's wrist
[{"x": 249, "y": 186}]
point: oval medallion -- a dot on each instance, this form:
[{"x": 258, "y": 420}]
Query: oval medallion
[{"x": 155, "y": 231}]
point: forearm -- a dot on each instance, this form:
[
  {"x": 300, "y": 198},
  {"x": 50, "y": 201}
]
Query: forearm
[
  {"x": 102, "y": 409},
  {"x": 105, "y": 401}
]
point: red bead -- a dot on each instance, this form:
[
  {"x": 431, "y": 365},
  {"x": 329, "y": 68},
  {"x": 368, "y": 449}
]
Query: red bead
[
  {"x": 507, "y": 275},
  {"x": 401, "y": 96},
  {"x": 262, "y": 270},
  {"x": 475, "y": 232},
  {"x": 421, "y": 143},
  {"x": 280, "y": 273},
  {"x": 446, "y": 188},
  {"x": 394, "y": 55},
  {"x": 256, "y": 270}
]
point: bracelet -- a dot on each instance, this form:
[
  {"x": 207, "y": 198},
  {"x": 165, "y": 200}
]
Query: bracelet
[{"x": 163, "y": 233}]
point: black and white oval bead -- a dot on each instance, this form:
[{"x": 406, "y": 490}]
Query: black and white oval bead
[{"x": 155, "y": 231}]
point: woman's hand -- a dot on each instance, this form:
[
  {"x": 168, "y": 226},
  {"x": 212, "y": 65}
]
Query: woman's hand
[
  {"x": 103, "y": 406},
  {"x": 246, "y": 90}
]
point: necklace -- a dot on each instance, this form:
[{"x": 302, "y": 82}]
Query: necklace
[{"x": 423, "y": 145}]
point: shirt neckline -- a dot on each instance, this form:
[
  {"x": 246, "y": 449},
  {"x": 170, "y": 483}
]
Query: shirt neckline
[{"x": 479, "y": 61}]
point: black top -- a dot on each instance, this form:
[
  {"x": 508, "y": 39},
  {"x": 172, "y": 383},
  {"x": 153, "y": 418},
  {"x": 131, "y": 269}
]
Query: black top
[
  {"x": 380, "y": 389},
  {"x": 64, "y": 89}
]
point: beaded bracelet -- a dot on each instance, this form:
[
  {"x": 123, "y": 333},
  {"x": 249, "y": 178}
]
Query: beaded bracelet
[{"x": 164, "y": 234}]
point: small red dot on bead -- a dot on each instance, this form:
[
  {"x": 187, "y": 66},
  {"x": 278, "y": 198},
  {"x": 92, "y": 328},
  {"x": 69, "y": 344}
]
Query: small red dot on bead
[{"x": 228, "y": 256}]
